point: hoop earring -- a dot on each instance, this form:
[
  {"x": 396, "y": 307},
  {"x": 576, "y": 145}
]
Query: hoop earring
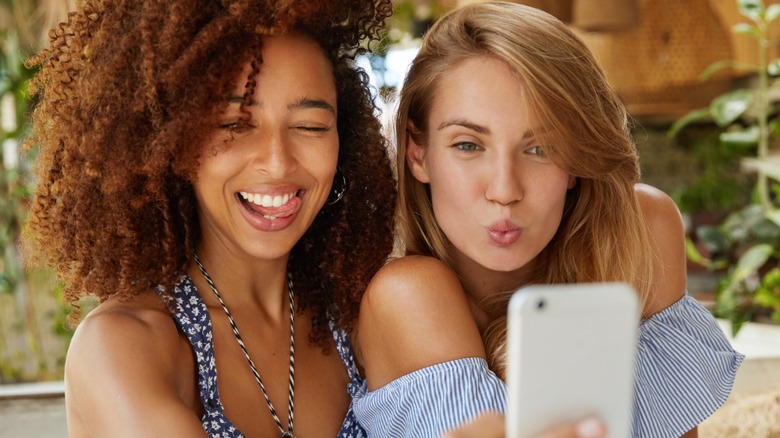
[{"x": 337, "y": 192}]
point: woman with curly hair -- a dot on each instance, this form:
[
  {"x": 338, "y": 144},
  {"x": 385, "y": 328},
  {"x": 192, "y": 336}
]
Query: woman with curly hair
[
  {"x": 516, "y": 167},
  {"x": 212, "y": 171}
]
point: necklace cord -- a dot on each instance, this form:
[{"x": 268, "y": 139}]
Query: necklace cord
[{"x": 291, "y": 382}]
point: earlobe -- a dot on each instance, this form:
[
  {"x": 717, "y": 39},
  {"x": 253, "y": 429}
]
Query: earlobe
[
  {"x": 415, "y": 159},
  {"x": 572, "y": 182}
]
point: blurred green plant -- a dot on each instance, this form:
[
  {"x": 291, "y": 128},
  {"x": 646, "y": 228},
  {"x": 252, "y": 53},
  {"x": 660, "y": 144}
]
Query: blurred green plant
[
  {"x": 746, "y": 243},
  {"x": 720, "y": 186},
  {"x": 32, "y": 334}
]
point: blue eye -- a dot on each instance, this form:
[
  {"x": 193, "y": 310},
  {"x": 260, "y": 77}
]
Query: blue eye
[
  {"x": 536, "y": 150},
  {"x": 467, "y": 146}
]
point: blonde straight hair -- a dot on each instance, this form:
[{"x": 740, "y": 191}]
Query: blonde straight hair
[{"x": 603, "y": 236}]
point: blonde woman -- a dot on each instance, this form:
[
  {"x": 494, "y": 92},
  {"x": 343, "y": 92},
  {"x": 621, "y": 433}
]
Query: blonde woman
[{"x": 516, "y": 167}]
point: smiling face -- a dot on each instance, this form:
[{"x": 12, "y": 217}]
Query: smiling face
[
  {"x": 495, "y": 193},
  {"x": 258, "y": 195}
]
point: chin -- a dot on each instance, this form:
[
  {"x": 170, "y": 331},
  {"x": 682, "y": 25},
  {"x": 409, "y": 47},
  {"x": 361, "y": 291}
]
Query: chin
[{"x": 504, "y": 265}]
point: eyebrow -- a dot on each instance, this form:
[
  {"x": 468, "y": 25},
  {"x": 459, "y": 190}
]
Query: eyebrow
[
  {"x": 306, "y": 103},
  {"x": 466, "y": 124},
  {"x": 302, "y": 103},
  {"x": 476, "y": 128}
]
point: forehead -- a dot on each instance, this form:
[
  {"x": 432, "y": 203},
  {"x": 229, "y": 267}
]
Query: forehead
[
  {"x": 481, "y": 87},
  {"x": 291, "y": 62}
]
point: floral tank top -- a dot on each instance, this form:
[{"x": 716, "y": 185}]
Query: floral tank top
[{"x": 193, "y": 319}]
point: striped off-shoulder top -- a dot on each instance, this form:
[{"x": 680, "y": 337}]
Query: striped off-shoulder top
[{"x": 685, "y": 369}]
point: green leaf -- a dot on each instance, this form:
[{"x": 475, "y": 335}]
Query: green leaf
[
  {"x": 774, "y": 67},
  {"x": 766, "y": 297},
  {"x": 693, "y": 253},
  {"x": 728, "y": 63},
  {"x": 772, "y": 278},
  {"x": 753, "y": 9},
  {"x": 728, "y": 107},
  {"x": 7, "y": 285},
  {"x": 751, "y": 261},
  {"x": 693, "y": 116},
  {"x": 772, "y": 12},
  {"x": 714, "y": 67},
  {"x": 770, "y": 169},
  {"x": 774, "y": 216},
  {"x": 745, "y": 29},
  {"x": 740, "y": 138},
  {"x": 738, "y": 319},
  {"x": 712, "y": 238}
]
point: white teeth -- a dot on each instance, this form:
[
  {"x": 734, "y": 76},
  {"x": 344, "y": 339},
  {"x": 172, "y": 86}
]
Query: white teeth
[
  {"x": 269, "y": 217},
  {"x": 267, "y": 200}
]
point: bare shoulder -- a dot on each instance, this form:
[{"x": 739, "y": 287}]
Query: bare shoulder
[
  {"x": 122, "y": 368},
  {"x": 414, "y": 314},
  {"x": 122, "y": 332},
  {"x": 667, "y": 237},
  {"x": 404, "y": 277},
  {"x": 658, "y": 208}
]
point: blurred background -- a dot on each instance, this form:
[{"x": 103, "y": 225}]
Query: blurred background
[{"x": 699, "y": 78}]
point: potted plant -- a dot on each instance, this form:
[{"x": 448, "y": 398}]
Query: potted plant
[{"x": 746, "y": 243}]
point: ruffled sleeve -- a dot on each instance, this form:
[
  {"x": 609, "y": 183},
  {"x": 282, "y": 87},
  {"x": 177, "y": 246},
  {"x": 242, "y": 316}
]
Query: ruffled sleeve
[
  {"x": 684, "y": 371},
  {"x": 430, "y": 401}
]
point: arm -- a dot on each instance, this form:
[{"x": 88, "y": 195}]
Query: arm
[
  {"x": 422, "y": 353},
  {"x": 667, "y": 239},
  {"x": 120, "y": 376},
  {"x": 414, "y": 314}
]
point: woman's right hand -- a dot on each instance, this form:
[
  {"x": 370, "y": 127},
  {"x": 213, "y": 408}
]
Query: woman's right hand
[{"x": 491, "y": 425}]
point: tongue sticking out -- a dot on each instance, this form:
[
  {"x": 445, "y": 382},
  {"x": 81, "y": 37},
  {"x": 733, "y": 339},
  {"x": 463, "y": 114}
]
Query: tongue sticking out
[{"x": 281, "y": 211}]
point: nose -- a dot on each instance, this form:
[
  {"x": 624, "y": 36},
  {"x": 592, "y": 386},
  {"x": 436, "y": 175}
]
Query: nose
[
  {"x": 505, "y": 183},
  {"x": 274, "y": 155}
]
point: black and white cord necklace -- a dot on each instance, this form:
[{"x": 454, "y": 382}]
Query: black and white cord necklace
[{"x": 291, "y": 390}]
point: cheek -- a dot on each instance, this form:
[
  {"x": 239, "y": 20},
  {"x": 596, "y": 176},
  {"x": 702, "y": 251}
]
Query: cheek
[
  {"x": 552, "y": 197},
  {"x": 454, "y": 196},
  {"x": 323, "y": 163},
  {"x": 452, "y": 184}
]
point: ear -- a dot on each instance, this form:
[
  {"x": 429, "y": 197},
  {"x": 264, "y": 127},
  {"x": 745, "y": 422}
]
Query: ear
[
  {"x": 415, "y": 158},
  {"x": 572, "y": 182}
]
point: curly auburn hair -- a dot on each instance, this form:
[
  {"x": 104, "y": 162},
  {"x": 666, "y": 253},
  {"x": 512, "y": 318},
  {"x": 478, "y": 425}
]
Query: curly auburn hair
[{"x": 123, "y": 91}]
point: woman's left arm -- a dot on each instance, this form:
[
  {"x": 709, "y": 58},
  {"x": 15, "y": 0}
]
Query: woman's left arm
[{"x": 667, "y": 239}]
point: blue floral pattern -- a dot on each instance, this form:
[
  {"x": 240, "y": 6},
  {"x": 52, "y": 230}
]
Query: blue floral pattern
[{"x": 192, "y": 317}]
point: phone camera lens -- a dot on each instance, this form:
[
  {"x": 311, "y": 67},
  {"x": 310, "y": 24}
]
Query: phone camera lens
[{"x": 540, "y": 304}]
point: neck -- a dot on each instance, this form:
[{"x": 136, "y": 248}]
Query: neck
[
  {"x": 243, "y": 282},
  {"x": 488, "y": 291}
]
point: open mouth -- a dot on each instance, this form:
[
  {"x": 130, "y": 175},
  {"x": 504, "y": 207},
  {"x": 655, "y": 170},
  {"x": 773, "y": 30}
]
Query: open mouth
[{"x": 270, "y": 207}]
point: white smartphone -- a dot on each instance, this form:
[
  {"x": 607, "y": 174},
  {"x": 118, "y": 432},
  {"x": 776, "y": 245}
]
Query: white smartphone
[{"x": 570, "y": 354}]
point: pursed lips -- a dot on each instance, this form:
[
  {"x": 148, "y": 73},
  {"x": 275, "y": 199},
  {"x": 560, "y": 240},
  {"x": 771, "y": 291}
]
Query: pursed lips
[{"x": 504, "y": 233}]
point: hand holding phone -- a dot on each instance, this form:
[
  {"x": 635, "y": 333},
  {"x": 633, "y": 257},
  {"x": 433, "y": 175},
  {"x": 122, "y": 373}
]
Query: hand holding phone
[{"x": 570, "y": 354}]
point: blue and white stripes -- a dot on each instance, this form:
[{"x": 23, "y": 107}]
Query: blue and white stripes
[
  {"x": 685, "y": 369},
  {"x": 430, "y": 401},
  {"x": 684, "y": 372}
]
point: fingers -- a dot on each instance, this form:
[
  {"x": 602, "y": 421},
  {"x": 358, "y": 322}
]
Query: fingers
[
  {"x": 490, "y": 425},
  {"x": 586, "y": 428}
]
